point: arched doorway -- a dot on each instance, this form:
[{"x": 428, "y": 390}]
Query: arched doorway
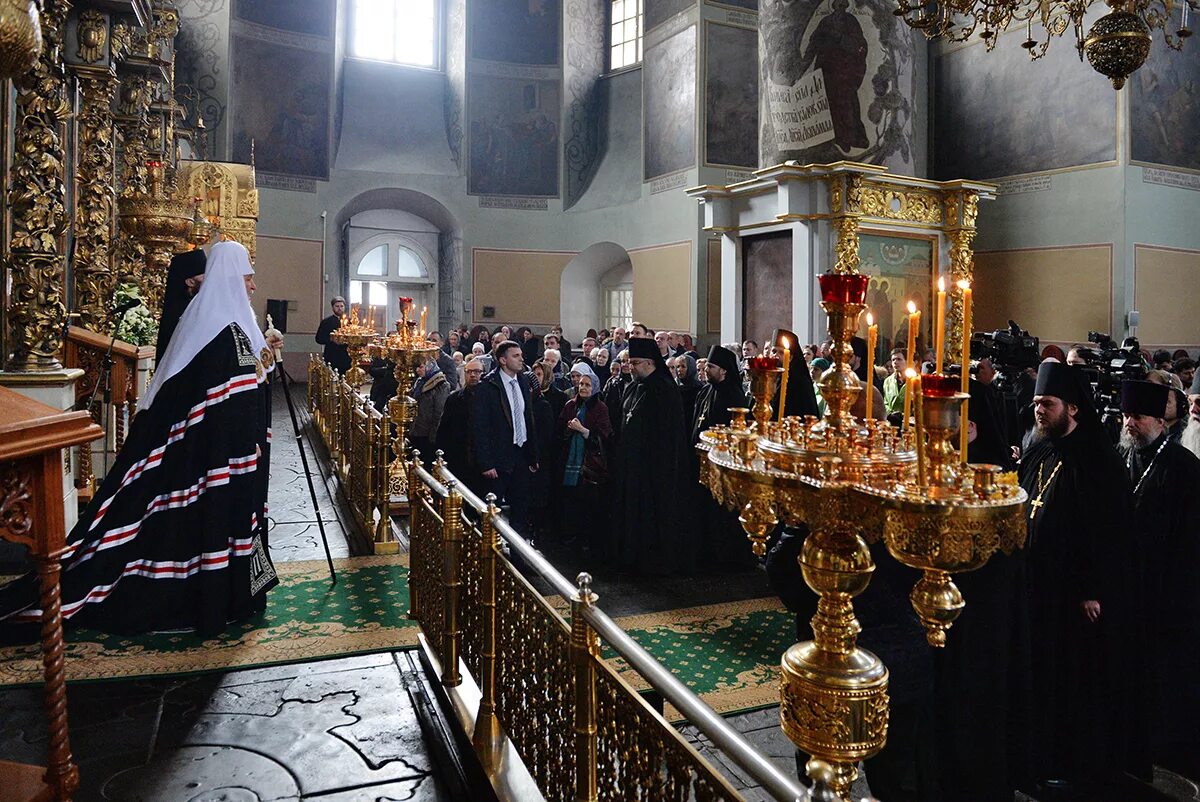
[
  {"x": 596, "y": 290},
  {"x": 402, "y": 242}
]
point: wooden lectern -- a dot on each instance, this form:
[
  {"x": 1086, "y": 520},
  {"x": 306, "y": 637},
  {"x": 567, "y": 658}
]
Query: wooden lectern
[{"x": 32, "y": 438}]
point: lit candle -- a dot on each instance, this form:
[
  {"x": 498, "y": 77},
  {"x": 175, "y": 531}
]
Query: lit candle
[
  {"x": 914, "y": 323},
  {"x": 965, "y": 286},
  {"x": 787, "y": 365},
  {"x": 872, "y": 337},
  {"x": 371, "y": 317},
  {"x": 909, "y": 378},
  {"x": 940, "y": 337},
  {"x": 920, "y": 431},
  {"x": 424, "y": 309}
]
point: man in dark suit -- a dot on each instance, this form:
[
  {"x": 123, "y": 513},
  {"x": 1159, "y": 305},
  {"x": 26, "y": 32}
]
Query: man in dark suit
[
  {"x": 502, "y": 438},
  {"x": 336, "y": 355}
]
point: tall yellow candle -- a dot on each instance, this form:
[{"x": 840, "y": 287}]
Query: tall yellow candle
[
  {"x": 907, "y": 399},
  {"x": 965, "y": 286},
  {"x": 940, "y": 336},
  {"x": 424, "y": 311},
  {"x": 787, "y": 367},
  {"x": 872, "y": 338},
  {"x": 916, "y": 388},
  {"x": 914, "y": 323}
]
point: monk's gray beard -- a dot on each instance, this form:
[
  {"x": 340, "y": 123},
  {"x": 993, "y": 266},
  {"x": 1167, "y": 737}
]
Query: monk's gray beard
[
  {"x": 1129, "y": 441},
  {"x": 1191, "y": 436}
]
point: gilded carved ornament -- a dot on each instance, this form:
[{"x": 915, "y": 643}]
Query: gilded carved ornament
[{"x": 92, "y": 35}]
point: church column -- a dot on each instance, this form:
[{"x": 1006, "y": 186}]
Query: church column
[
  {"x": 95, "y": 209},
  {"x": 845, "y": 205},
  {"x": 135, "y": 134},
  {"x": 962, "y": 208},
  {"x": 37, "y": 204}
]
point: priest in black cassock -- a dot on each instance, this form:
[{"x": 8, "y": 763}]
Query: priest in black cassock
[
  {"x": 725, "y": 545},
  {"x": 1166, "y": 525},
  {"x": 175, "y": 538},
  {"x": 649, "y": 533},
  {"x": 1078, "y": 522}
]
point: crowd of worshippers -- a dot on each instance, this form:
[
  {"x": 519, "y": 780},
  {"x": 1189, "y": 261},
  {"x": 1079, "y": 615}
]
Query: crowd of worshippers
[{"x": 1062, "y": 672}]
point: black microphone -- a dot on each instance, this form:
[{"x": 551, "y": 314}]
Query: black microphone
[{"x": 125, "y": 307}]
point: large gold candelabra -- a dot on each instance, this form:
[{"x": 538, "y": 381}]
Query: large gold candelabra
[
  {"x": 853, "y": 483},
  {"x": 409, "y": 349}
]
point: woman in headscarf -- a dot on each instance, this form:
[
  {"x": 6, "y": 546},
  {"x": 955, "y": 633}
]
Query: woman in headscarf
[
  {"x": 175, "y": 537},
  {"x": 584, "y": 433},
  {"x": 184, "y": 278},
  {"x": 430, "y": 391},
  {"x": 684, "y": 368},
  {"x": 600, "y": 366}
]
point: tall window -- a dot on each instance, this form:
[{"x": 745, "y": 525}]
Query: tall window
[
  {"x": 618, "y": 307},
  {"x": 625, "y": 42},
  {"x": 401, "y": 31}
]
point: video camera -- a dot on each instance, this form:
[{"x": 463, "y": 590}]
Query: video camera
[
  {"x": 1011, "y": 351},
  {"x": 1107, "y": 365}
]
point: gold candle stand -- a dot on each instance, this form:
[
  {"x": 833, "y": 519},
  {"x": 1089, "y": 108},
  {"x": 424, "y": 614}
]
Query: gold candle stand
[
  {"x": 409, "y": 349},
  {"x": 853, "y": 484},
  {"x": 356, "y": 338}
]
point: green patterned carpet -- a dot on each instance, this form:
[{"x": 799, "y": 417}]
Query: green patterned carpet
[
  {"x": 306, "y": 619},
  {"x": 728, "y": 654}
]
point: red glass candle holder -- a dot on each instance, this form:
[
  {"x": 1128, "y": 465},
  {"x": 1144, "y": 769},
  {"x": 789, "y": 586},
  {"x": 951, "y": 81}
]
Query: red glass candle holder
[
  {"x": 844, "y": 288},
  {"x": 939, "y": 385},
  {"x": 764, "y": 363}
]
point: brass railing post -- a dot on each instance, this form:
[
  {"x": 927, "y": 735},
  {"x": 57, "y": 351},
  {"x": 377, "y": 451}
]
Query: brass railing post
[
  {"x": 486, "y": 738},
  {"x": 585, "y": 652},
  {"x": 452, "y": 539},
  {"x": 416, "y": 513}
]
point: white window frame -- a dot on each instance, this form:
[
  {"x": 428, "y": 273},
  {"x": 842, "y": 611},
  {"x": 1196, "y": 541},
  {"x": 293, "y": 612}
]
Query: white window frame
[
  {"x": 614, "y": 317},
  {"x": 397, "y": 9},
  {"x": 640, "y": 17}
]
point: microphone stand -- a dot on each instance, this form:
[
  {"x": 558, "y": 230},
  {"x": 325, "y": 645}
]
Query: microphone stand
[{"x": 285, "y": 380}]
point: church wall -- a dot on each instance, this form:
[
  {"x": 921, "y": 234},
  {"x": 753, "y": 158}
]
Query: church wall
[
  {"x": 1065, "y": 290},
  {"x": 662, "y": 285},
  {"x": 1161, "y": 277},
  {"x": 518, "y": 286}
]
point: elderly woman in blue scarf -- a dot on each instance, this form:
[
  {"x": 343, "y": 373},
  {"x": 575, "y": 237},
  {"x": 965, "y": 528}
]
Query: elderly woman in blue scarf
[{"x": 584, "y": 432}]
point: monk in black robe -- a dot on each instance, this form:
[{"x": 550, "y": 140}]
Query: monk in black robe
[
  {"x": 183, "y": 281},
  {"x": 725, "y": 545},
  {"x": 1166, "y": 525},
  {"x": 801, "y": 396},
  {"x": 1078, "y": 522},
  {"x": 652, "y": 465}
]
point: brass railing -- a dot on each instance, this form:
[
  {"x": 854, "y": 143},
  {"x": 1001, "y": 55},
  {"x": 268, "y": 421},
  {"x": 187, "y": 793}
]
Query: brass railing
[
  {"x": 581, "y": 731},
  {"x": 356, "y": 437}
]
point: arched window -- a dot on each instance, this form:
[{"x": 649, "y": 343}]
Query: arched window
[
  {"x": 374, "y": 263},
  {"x": 408, "y": 265}
]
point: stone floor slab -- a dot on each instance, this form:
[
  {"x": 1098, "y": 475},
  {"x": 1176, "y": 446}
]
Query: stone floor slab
[
  {"x": 205, "y": 774},
  {"x": 416, "y": 789}
]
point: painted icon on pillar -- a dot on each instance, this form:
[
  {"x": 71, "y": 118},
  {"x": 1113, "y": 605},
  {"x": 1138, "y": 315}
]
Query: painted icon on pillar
[{"x": 837, "y": 83}]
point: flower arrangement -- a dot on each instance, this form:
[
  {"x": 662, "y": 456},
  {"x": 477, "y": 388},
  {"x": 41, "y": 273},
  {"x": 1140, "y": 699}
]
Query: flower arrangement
[{"x": 138, "y": 327}]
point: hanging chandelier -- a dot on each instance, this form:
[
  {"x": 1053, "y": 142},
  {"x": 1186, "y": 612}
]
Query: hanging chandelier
[{"x": 1115, "y": 45}]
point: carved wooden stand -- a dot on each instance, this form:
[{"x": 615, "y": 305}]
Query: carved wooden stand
[{"x": 32, "y": 436}]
